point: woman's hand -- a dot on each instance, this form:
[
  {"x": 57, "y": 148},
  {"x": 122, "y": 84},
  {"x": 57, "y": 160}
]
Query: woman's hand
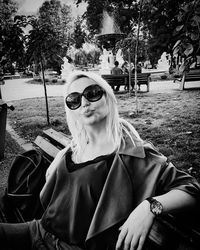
[{"x": 136, "y": 228}]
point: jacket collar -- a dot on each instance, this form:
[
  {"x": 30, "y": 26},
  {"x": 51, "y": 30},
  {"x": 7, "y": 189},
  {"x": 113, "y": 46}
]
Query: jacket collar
[{"x": 132, "y": 147}]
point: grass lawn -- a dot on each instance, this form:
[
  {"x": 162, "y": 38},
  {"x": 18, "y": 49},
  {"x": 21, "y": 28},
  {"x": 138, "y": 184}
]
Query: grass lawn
[{"x": 170, "y": 120}]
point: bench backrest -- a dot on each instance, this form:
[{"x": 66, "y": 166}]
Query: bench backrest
[
  {"x": 141, "y": 77},
  {"x": 192, "y": 74},
  {"x": 114, "y": 80},
  {"x": 51, "y": 142}
]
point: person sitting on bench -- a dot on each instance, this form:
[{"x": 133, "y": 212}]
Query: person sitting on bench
[
  {"x": 105, "y": 190},
  {"x": 116, "y": 71}
]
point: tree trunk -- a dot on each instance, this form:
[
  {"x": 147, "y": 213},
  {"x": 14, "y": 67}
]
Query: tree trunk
[
  {"x": 45, "y": 92},
  {"x": 136, "y": 56},
  {"x": 129, "y": 72}
]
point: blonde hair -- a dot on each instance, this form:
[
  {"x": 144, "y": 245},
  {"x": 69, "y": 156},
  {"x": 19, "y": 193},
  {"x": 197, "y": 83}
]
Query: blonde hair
[{"x": 115, "y": 125}]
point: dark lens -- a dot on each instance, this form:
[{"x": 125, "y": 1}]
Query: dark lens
[
  {"x": 93, "y": 93},
  {"x": 73, "y": 100}
]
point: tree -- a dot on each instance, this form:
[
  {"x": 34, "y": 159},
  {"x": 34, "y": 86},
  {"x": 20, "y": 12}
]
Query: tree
[
  {"x": 187, "y": 33},
  {"x": 11, "y": 36},
  {"x": 78, "y": 35},
  {"x": 159, "y": 19},
  {"x": 48, "y": 39},
  {"x": 122, "y": 10},
  {"x": 167, "y": 24},
  {"x": 56, "y": 19}
]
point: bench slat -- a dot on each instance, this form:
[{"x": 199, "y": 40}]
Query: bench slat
[
  {"x": 58, "y": 138},
  {"x": 47, "y": 148}
]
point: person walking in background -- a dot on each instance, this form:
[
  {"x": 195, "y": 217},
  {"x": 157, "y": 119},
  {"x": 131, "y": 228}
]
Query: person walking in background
[{"x": 103, "y": 191}]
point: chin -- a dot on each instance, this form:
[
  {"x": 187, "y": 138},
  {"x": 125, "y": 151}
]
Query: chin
[
  {"x": 90, "y": 121},
  {"x": 94, "y": 120}
]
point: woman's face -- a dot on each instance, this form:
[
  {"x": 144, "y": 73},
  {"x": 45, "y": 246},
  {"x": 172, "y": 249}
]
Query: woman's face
[{"x": 89, "y": 113}]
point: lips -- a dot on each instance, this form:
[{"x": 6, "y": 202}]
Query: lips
[{"x": 88, "y": 112}]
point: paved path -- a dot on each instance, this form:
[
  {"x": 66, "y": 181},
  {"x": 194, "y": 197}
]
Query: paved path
[{"x": 18, "y": 89}]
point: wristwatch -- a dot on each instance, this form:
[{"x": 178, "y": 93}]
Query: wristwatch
[{"x": 155, "y": 206}]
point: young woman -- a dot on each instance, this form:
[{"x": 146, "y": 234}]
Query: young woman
[{"x": 105, "y": 190}]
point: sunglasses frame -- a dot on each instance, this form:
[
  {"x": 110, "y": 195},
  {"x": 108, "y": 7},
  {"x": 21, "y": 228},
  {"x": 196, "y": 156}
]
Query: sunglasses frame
[{"x": 83, "y": 94}]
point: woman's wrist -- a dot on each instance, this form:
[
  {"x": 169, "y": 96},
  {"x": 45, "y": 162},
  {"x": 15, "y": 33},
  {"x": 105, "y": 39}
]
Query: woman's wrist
[{"x": 155, "y": 206}]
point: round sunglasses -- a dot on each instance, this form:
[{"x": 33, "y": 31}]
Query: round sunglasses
[{"x": 92, "y": 93}]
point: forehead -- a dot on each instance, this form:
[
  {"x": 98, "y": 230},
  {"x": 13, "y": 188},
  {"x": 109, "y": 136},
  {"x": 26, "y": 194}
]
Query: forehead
[{"x": 80, "y": 84}]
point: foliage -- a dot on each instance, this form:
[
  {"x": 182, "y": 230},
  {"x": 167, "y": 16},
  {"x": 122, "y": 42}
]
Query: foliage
[
  {"x": 48, "y": 40},
  {"x": 128, "y": 46},
  {"x": 159, "y": 19},
  {"x": 187, "y": 32},
  {"x": 124, "y": 11},
  {"x": 11, "y": 37},
  {"x": 157, "y": 22},
  {"x": 163, "y": 22},
  {"x": 78, "y": 35}
]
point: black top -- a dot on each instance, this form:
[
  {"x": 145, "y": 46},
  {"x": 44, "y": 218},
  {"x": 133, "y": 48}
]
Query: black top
[
  {"x": 75, "y": 166},
  {"x": 77, "y": 193}
]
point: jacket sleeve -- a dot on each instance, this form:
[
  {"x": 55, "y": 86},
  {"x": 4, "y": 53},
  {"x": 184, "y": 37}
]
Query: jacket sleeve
[{"x": 173, "y": 178}]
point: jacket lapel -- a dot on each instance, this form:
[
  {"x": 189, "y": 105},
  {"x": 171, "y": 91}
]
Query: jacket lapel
[{"x": 115, "y": 203}]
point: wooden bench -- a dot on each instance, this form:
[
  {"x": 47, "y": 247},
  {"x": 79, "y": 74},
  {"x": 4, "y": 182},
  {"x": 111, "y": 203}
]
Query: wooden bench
[
  {"x": 51, "y": 142},
  {"x": 192, "y": 75},
  {"x": 142, "y": 79},
  {"x": 165, "y": 232},
  {"x": 115, "y": 81}
]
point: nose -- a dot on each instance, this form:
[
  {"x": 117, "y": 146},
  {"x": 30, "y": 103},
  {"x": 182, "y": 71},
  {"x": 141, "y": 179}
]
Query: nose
[{"x": 84, "y": 102}]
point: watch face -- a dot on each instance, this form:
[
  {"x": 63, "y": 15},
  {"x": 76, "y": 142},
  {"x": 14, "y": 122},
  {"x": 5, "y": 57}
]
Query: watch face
[{"x": 156, "y": 207}]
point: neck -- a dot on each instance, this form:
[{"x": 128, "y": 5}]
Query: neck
[
  {"x": 97, "y": 135},
  {"x": 99, "y": 144},
  {"x": 99, "y": 139}
]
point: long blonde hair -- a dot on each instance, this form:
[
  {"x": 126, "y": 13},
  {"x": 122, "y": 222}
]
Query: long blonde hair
[{"x": 114, "y": 125}]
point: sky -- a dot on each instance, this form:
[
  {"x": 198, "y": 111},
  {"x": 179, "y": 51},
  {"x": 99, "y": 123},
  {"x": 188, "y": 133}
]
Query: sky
[{"x": 32, "y": 6}]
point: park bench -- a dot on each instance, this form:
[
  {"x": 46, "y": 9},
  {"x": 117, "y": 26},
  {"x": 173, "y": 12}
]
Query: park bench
[
  {"x": 142, "y": 79},
  {"x": 51, "y": 142},
  {"x": 167, "y": 231},
  {"x": 115, "y": 81},
  {"x": 192, "y": 75}
]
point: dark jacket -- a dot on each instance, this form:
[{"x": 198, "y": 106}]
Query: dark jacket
[{"x": 137, "y": 172}]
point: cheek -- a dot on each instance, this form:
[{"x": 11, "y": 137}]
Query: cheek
[
  {"x": 103, "y": 106},
  {"x": 75, "y": 114}
]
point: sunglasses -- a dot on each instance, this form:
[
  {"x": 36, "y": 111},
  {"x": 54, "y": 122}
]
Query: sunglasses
[{"x": 92, "y": 93}]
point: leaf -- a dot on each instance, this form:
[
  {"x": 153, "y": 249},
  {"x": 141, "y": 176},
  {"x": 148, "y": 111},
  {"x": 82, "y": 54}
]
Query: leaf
[
  {"x": 176, "y": 50},
  {"x": 178, "y": 28},
  {"x": 176, "y": 44},
  {"x": 189, "y": 49},
  {"x": 180, "y": 17},
  {"x": 196, "y": 18},
  {"x": 194, "y": 36}
]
